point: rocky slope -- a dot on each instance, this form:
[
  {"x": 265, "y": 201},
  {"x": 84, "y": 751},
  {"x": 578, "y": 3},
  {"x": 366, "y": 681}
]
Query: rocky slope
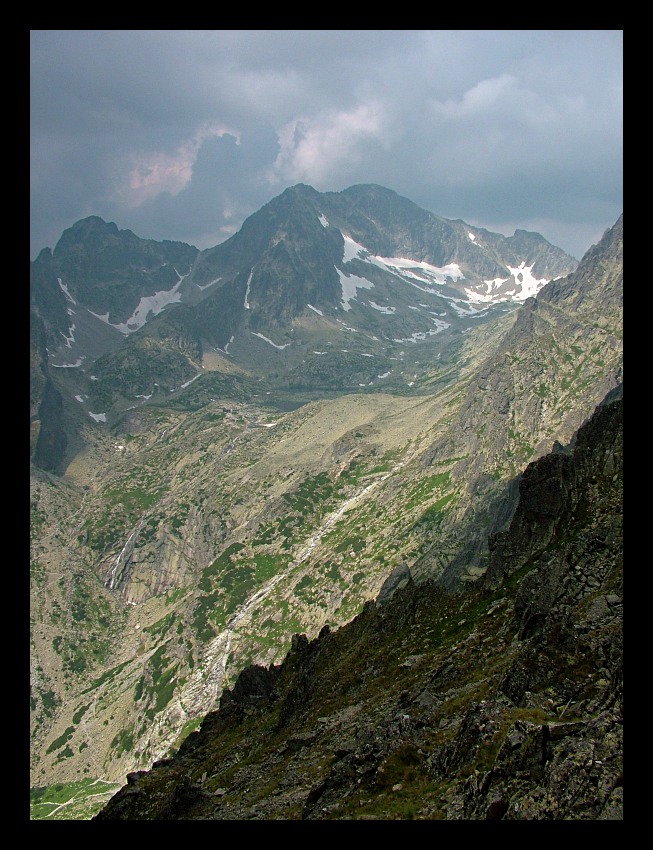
[
  {"x": 193, "y": 538},
  {"x": 502, "y": 703}
]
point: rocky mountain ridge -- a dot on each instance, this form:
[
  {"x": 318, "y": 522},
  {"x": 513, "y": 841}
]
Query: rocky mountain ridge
[{"x": 316, "y": 292}]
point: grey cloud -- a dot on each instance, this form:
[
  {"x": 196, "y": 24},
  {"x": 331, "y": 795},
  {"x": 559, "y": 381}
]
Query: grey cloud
[{"x": 489, "y": 126}]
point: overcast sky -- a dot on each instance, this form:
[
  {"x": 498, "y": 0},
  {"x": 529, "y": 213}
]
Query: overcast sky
[{"x": 180, "y": 134}]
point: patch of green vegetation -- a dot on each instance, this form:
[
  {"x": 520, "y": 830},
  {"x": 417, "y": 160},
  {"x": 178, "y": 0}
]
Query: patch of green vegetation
[
  {"x": 66, "y": 753},
  {"x": 75, "y": 660},
  {"x": 434, "y": 514},
  {"x": 267, "y": 566},
  {"x": 331, "y": 571},
  {"x": 37, "y": 572},
  {"x": 180, "y": 516},
  {"x": 81, "y": 711},
  {"x": 302, "y": 586},
  {"x": 123, "y": 742},
  {"x": 135, "y": 499},
  {"x": 105, "y": 677},
  {"x": 176, "y": 594},
  {"x": 354, "y": 544},
  {"x": 61, "y": 740},
  {"x": 36, "y": 520},
  {"x": 148, "y": 531},
  {"x": 161, "y": 626},
  {"x": 227, "y": 583},
  {"x": 49, "y": 701},
  {"x": 188, "y": 727},
  {"x": 221, "y": 564},
  {"x": 201, "y": 612},
  {"x": 163, "y": 674},
  {"x": 70, "y": 801},
  {"x": 310, "y": 492},
  {"x": 353, "y": 472},
  {"x": 55, "y": 613},
  {"x": 139, "y": 688},
  {"x": 425, "y": 487}
]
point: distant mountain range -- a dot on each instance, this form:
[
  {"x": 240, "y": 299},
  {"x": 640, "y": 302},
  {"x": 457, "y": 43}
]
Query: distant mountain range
[
  {"x": 316, "y": 292},
  {"x": 235, "y": 446}
]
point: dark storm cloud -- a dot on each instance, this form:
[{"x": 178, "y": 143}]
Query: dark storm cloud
[{"x": 182, "y": 134}]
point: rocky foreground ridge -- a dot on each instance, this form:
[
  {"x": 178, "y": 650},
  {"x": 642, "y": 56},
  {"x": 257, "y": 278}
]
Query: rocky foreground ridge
[{"x": 500, "y": 702}]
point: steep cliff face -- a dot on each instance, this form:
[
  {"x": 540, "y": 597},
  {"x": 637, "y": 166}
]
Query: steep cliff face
[{"x": 502, "y": 702}]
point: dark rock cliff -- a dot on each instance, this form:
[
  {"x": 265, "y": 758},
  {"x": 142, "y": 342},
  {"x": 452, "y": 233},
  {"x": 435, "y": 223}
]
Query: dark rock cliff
[{"x": 502, "y": 702}]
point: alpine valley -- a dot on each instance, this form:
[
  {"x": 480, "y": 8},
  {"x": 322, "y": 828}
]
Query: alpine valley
[{"x": 343, "y": 493}]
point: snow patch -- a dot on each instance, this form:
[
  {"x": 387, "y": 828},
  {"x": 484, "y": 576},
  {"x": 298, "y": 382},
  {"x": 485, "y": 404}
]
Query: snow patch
[
  {"x": 323, "y": 221},
  {"x": 440, "y": 325},
  {"x": 349, "y": 284},
  {"x": 280, "y": 347},
  {"x": 225, "y": 349},
  {"x": 188, "y": 383},
  {"x": 420, "y": 271},
  {"x": 315, "y": 309},
  {"x": 64, "y": 289},
  {"x": 403, "y": 267},
  {"x": 149, "y": 304},
  {"x": 98, "y": 417},
  {"x": 74, "y": 365},
  {"x": 422, "y": 335},
  {"x": 206, "y": 285},
  {"x": 381, "y": 309},
  {"x": 524, "y": 285},
  {"x": 353, "y": 250},
  {"x": 249, "y": 281},
  {"x": 71, "y": 338},
  {"x": 530, "y": 285},
  {"x": 347, "y": 328}
]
